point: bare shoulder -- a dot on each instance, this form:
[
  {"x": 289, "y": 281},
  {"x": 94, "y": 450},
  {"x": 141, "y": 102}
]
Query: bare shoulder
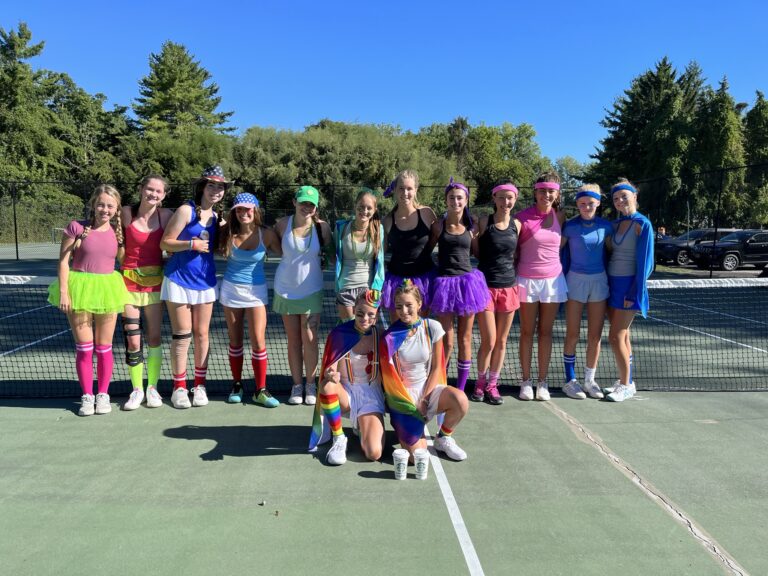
[{"x": 428, "y": 215}]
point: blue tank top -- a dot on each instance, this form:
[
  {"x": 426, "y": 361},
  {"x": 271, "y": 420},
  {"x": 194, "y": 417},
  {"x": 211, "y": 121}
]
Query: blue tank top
[
  {"x": 246, "y": 266},
  {"x": 191, "y": 269}
]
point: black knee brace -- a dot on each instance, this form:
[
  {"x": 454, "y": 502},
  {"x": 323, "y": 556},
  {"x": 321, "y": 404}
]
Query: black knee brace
[{"x": 137, "y": 357}]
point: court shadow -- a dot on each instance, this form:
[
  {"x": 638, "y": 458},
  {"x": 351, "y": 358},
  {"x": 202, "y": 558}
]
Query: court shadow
[
  {"x": 63, "y": 404},
  {"x": 245, "y": 441}
]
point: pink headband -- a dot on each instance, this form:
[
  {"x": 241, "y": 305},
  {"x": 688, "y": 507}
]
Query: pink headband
[
  {"x": 546, "y": 186},
  {"x": 508, "y": 187}
]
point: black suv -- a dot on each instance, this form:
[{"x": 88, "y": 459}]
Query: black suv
[
  {"x": 734, "y": 250},
  {"x": 678, "y": 249}
]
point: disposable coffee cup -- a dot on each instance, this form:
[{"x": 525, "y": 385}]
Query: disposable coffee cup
[
  {"x": 400, "y": 457},
  {"x": 421, "y": 461}
]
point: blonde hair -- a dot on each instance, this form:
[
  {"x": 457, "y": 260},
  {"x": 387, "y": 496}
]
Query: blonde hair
[
  {"x": 589, "y": 188},
  {"x": 116, "y": 222},
  {"x": 409, "y": 288},
  {"x": 402, "y": 175}
]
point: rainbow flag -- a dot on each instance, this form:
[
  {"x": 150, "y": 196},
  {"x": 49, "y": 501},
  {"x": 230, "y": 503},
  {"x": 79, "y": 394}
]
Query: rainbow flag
[
  {"x": 338, "y": 344},
  {"x": 403, "y": 413}
]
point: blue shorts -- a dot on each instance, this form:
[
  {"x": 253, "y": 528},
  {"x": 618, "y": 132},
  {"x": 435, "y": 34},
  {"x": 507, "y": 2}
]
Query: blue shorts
[{"x": 619, "y": 289}]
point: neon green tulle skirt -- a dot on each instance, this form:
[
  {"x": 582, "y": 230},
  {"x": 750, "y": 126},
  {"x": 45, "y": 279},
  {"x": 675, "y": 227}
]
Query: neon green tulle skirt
[{"x": 95, "y": 293}]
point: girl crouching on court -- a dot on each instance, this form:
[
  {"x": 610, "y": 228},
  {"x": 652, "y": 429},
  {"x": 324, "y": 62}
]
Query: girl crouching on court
[
  {"x": 91, "y": 293},
  {"x": 350, "y": 383}
]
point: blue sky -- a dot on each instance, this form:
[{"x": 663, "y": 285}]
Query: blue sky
[{"x": 555, "y": 65}]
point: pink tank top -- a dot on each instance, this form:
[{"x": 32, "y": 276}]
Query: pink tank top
[
  {"x": 97, "y": 251},
  {"x": 539, "y": 247}
]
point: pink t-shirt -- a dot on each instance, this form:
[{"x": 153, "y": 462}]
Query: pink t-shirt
[
  {"x": 539, "y": 247},
  {"x": 97, "y": 252}
]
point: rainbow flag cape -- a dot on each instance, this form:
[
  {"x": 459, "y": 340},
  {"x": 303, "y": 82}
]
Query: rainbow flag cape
[
  {"x": 338, "y": 344},
  {"x": 403, "y": 413}
]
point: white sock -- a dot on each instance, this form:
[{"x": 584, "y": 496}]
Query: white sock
[{"x": 589, "y": 374}]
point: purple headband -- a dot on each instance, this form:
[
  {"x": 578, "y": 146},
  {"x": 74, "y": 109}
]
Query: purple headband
[
  {"x": 589, "y": 193},
  {"x": 546, "y": 186},
  {"x": 508, "y": 187},
  {"x": 459, "y": 185},
  {"x": 624, "y": 187},
  {"x": 390, "y": 189}
]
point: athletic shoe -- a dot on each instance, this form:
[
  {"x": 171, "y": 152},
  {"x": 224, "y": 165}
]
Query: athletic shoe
[
  {"x": 448, "y": 445},
  {"x": 526, "y": 391},
  {"x": 102, "y": 404},
  {"x": 86, "y": 405},
  {"x": 297, "y": 392},
  {"x": 337, "y": 455},
  {"x": 591, "y": 388},
  {"x": 235, "y": 397},
  {"x": 573, "y": 390},
  {"x": 154, "y": 400},
  {"x": 310, "y": 396},
  {"x": 266, "y": 399},
  {"x": 492, "y": 395},
  {"x": 134, "y": 400},
  {"x": 542, "y": 391},
  {"x": 199, "y": 397},
  {"x": 622, "y": 392},
  {"x": 180, "y": 398},
  {"x": 478, "y": 395}
]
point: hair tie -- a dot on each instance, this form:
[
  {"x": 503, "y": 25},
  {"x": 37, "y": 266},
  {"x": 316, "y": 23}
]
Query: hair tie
[
  {"x": 546, "y": 186},
  {"x": 624, "y": 187},
  {"x": 407, "y": 283},
  {"x": 390, "y": 189},
  {"x": 452, "y": 184},
  {"x": 373, "y": 298},
  {"x": 505, "y": 187}
]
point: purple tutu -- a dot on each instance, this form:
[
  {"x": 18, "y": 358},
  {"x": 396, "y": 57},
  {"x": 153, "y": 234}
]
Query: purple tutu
[
  {"x": 392, "y": 282},
  {"x": 461, "y": 295}
]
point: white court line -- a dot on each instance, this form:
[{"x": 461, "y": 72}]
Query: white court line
[
  {"x": 708, "y": 311},
  {"x": 26, "y": 312},
  {"x": 470, "y": 554},
  {"x": 33, "y": 343},
  {"x": 708, "y": 334}
]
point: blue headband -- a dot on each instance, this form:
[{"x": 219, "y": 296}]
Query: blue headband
[
  {"x": 590, "y": 193},
  {"x": 623, "y": 187}
]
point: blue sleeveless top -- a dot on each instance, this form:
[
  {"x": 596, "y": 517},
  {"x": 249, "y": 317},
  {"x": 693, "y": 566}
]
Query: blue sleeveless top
[
  {"x": 246, "y": 266},
  {"x": 190, "y": 269}
]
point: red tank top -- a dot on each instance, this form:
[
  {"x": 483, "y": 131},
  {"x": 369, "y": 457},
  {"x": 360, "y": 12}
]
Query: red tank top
[{"x": 142, "y": 249}]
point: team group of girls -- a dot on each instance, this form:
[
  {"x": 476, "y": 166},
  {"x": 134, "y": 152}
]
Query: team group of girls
[{"x": 364, "y": 371}]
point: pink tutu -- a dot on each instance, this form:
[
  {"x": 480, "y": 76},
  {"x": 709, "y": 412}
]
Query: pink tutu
[
  {"x": 392, "y": 282},
  {"x": 461, "y": 295}
]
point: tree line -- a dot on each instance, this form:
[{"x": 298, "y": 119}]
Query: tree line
[{"x": 666, "y": 124}]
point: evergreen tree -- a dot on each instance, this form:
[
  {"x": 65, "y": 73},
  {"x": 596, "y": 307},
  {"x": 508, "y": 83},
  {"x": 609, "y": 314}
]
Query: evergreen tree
[{"x": 756, "y": 150}]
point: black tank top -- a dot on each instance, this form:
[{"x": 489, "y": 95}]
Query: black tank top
[
  {"x": 453, "y": 253},
  {"x": 409, "y": 257},
  {"x": 497, "y": 255}
]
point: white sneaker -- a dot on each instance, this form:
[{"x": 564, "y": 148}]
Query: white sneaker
[
  {"x": 609, "y": 389},
  {"x": 154, "y": 400},
  {"x": 199, "y": 397},
  {"x": 86, "y": 405},
  {"x": 102, "y": 404},
  {"x": 622, "y": 392},
  {"x": 134, "y": 400},
  {"x": 573, "y": 390},
  {"x": 542, "y": 391},
  {"x": 180, "y": 398},
  {"x": 526, "y": 391},
  {"x": 337, "y": 455},
  {"x": 310, "y": 398},
  {"x": 591, "y": 388},
  {"x": 296, "y": 396},
  {"x": 448, "y": 445}
]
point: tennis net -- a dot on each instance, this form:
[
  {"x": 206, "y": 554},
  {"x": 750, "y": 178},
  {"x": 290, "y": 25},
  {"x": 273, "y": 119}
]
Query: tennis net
[{"x": 699, "y": 335}]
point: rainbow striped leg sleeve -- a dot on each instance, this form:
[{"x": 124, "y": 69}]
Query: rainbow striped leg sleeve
[{"x": 332, "y": 410}]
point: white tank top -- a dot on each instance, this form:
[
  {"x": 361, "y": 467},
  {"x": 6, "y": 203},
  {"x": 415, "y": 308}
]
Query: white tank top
[{"x": 299, "y": 274}]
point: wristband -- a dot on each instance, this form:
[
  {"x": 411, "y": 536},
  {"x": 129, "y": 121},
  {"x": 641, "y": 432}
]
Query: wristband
[{"x": 192, "y": 244}]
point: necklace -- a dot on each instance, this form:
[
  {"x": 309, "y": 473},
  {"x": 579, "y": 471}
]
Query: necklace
[
  {"x": 361, "y": 256},
  {"x": 616, "y": 240},
  {"x": 296, "y": 239}
]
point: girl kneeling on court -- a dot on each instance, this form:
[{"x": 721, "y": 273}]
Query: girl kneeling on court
[
  {"x": 91, "y": 293},
  {"x": 243, "y": 293},
  {"x": 413, "y": 375},
  {"x": 350, "y": 383}
]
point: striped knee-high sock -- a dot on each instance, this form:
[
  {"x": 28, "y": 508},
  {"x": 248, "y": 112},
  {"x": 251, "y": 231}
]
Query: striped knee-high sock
[
  {"x": 569, "y": 362},
  {"x": 201, "y": 372},
  {"x": 332, "y": 410},
  {"x": 180, "y": 380},
  {"x": 236, "y": 363},
  {"x": 154, "y": 363},
  {"x": 84, "y": 366},
  {"x": 104, "y": 364},
  {"x": 463, "y": 373},
  {"x": 259, "y": 363}
]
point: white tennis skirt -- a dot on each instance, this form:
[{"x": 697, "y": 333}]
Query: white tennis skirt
[
  {"x": 243, "y": 295},
  {"x": 172, "y": 292}
]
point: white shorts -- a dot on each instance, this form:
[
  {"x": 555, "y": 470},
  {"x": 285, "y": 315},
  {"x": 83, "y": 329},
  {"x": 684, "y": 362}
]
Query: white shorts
[
  {"x": 364, "y": 399},
  {"x": 172, "y": 292},
  {"x": 434, "y": 399},
  {"x": 587, "y": 287},
  {"x": 243, "y": 295},
  {"x": 544, "y": 290}
]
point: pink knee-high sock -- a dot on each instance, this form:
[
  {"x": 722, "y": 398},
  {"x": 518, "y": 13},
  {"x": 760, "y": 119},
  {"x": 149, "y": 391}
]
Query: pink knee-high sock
[
  {"x": 104, "y": 365},
  {"x": 84, "y": 366}
]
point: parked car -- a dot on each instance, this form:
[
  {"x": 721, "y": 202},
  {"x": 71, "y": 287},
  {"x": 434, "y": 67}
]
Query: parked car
[
  {"x": 678, "y": 250},
  {"x": 734, "y": 250}
]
